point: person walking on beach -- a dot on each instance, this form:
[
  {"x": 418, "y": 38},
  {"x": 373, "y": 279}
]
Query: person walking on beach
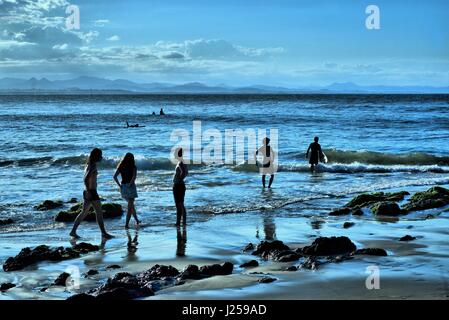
[
  {"x": 128, "y": 171},
  {"x": 179, "y": 187},
  {"x": 267, "y": 165},
  {"x": 90, "y": 195},
  {"x": 315, "y": 153}
]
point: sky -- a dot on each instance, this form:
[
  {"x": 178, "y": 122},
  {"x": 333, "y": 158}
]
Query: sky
[{"x": 292, "y": 43}]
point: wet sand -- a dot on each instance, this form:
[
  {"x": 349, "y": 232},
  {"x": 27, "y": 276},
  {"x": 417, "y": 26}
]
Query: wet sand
[{"x": 412, "y": 270}]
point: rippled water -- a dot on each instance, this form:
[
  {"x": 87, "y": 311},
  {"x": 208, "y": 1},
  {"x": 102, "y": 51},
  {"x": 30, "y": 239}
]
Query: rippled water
[{"x": 373, "y": 142}]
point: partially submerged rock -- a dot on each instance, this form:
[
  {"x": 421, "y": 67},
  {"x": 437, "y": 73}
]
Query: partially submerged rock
[
  {"x": 5, "y": 222},
  {"x": 250, "y": 264},
  {"x": 340, "y": 212},
  {"x": 327, "y": 246},
  {"x": 61, "y": 280},
  {"x": 367, "y": 199},
  {"x": 6, "y": 286},
  {"x": 248, "y": 247},
  {"x": 386, "y": 209},
  {"x": 49, "y": 205},
  {"x": 91, "y": 272},
  {"x": 435, "y": 197},
  {"x": 266, "y": 279},
  {"x": 265, "y": 247},
  {"x": 347, "y": 224},
  {"x": 125, "y": 286},
  {"x": 407, "y": 238},
  {"x": 28, "y": 256},
  {"x": 371, "y": 252},
  {"x": 110, "y": 210},
  {"x": 113, "y": 266}
]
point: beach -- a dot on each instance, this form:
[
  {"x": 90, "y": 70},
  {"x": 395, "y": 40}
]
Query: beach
[{"x": 374, "y": 143}]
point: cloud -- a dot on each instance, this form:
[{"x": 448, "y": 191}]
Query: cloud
[
  {"x": 101, "y": 22},
  {"x": 173, "y": 55},
  {"x": 113, "y": 38}
]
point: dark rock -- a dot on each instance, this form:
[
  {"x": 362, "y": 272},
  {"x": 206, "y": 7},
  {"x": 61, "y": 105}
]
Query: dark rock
[
  {"x": 248, "y": 247},
  {"x": 61, "y": 280},
  {"x": 357, "y": 212},
  {"x": 110, "y": 210},
  {"x": 386, "y": 209},
  {"x": 371, "y": 252},
  {"x": 366, "y": 199},
  {"x": 266, "y": 280},
  {"x": 217, "y": 269},
  {"x": 407, "y": 238},
  {"x": 113, "y": 266},
  {"x": 250, "y": 264},
  {"x": 190, "y": 272},
  {"x": 6, "y": 286},
  {"x": 73, "y": 200},
  {"x": 49, "y": 205},
  {"x": 324, "y": 246},
  {"x": 310, "y": 263},
  {"x": 347, "y": 225},
  {"x": 28, "y": 256},
  {"x": 44, "y": 289},
  {"x": 340, "y": 212},
  {"x": 292, "y": 268},
  {"x": 435, "y": 197},
  {"x": 339, "y": 258},
  {"x": 6, "y": 221},
  {"x": 81, "y": 297},
  {"x": 115, "y": 294},
  {"x": 285, "y": 255},
  {"x": 268, "y": 246},
  {"x": 91, "y": 272},
  {"x": 123, "y": 285}
]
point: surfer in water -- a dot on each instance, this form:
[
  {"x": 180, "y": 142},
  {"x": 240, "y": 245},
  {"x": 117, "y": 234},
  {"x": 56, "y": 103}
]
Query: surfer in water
[
  {"x": 162, "y": 113},
  {"x": 267, "y": 165},
  {"x": 316, "y": 155}
]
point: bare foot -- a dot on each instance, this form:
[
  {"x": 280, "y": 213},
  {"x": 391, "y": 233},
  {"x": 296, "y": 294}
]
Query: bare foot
[
  {"x": 74, "y": 235},
  {"x": 107, "y": 236},
  {"x": 127, "y": 227}
]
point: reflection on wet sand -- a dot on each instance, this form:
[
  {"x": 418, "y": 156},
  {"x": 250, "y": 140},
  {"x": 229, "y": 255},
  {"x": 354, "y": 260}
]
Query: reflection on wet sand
[
  {"x": 132, "y": 246},
  {"x": 181, "y": 237}
]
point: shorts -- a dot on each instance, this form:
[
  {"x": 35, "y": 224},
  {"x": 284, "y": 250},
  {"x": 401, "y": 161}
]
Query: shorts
[
  {"x": 179, "y": 192},
  {"x": 91, "y": 195},
  {"x": 128, "y": 191}
]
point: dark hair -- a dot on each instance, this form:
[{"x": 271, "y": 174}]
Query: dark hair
[
  {"x": 127, "y": 162},
  {"x": 180, "y": 152},
  {"x": 95, "y": 156},
  {"x": 266, "y": 140},
  {"x": 316, "y": 139}
]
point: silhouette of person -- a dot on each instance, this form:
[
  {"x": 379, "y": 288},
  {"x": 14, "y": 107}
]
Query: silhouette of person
[
  {"x": 162, "y": 113},
  {"x": 179, "y": 187},
  {"x": 267, "y": 165},
  {"x": 181, "y": 237},
  {"x": 316, "y": 154}
]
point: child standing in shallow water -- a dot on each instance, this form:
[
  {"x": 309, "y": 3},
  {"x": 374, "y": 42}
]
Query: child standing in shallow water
[{"x": 128, "y": 171}]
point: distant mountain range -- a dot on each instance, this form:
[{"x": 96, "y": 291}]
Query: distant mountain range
[{"x": 86, "y": 84}]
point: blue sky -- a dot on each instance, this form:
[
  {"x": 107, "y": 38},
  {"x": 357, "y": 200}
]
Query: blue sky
[{"x": 289, "y": 43}]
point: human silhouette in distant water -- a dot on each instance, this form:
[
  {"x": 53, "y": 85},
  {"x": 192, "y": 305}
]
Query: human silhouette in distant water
[
  {"x": 162, "y": 113},
  {"x": 181, "y": 237},
  {"x": 132, "y": 125},
  {"x": 267, "y": 165},
  {"x": 179, "y": 187},
  {"x": 128, "y": 171},
  {"x": 154, "y": 113},
  {"x": 90, "y": 195},
  {"x": 316, "y": 155}
]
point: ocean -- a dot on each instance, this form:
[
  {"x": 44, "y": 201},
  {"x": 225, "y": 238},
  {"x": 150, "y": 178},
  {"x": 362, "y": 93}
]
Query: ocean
[{"x": 373, "y": 143}]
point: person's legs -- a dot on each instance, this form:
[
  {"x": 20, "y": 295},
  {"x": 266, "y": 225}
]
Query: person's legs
[
  {"x": 99, "y": 215},
  {"x": 263, "y": 180},
  {"x": 271, "y": 181},
  {"x": 80, "y": 218},
  {"x": 129, "y": 212},
  {"x": 179, "y": 213},
  {"x": 184, "y": 214},
  {"x": 134, "y": 211}
]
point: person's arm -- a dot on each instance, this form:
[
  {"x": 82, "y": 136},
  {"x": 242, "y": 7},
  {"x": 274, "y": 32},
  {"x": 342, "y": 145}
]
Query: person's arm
[
  {"x": 307, "y": 153},
  {"x": 116, "y": 178},
  {"x": 133, "y": 179}
]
